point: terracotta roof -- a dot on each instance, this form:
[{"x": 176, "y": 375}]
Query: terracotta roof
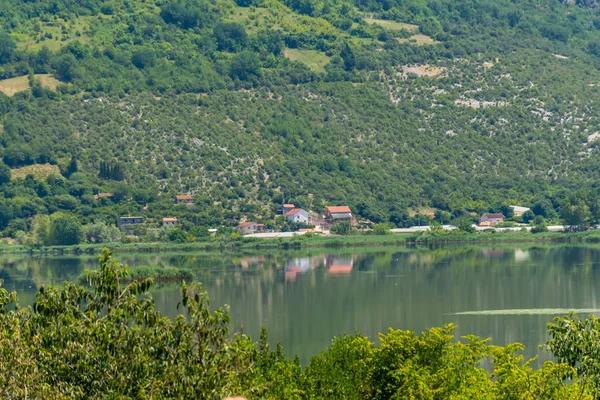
[
  {"x": 340, "y": 269},
  {"x": 183, "y": 197},
  {"x": 105, "y": 195},
  {"x": 246, "y": 224},
  {"x": 294, "y": 211},
  {"x": 170, "y": 219},
  {"x": 338, "y": 209},
  {"x": 489, "y": 215},
  {"x": 288, "y": 206}
]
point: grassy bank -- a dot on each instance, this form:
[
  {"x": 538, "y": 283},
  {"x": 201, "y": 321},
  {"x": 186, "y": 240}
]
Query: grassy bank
[{"x": 301, "y": 242}]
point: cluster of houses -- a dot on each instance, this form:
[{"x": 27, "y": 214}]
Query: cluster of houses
[
  {"x": 293, "y": 214},
  {"x": 125, "y": 223},
  {"x": 331, "y": 216}
]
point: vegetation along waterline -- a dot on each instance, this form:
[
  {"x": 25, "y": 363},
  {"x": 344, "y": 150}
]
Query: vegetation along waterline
[
  {"x": 108, "y": 339},
  {"x": 315, "y": 241}
]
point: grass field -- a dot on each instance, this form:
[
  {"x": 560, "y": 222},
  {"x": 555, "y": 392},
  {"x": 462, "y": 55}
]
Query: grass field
[
  {"x": 419, "y": 40},
  {"x": 254, "y": 18},
  {"x": 315, "y": 60},
  {"x": 15, "y": 85},
  {"x": 54, "y": 34},
  {"x": 393, "y": 25},
  {"x": 39, "y": 171}
]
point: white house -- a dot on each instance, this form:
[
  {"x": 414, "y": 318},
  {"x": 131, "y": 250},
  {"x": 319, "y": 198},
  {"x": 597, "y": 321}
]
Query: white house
[
  {"x": 297, "y": 215},
  {"x": 518, "y": 211}
]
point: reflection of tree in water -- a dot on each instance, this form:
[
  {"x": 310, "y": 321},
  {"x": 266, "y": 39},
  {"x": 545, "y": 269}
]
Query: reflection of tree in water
[{"x": 16, "y": 281}]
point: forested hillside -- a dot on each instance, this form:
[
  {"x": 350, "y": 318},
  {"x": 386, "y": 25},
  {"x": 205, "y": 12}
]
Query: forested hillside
[{"x": 388, "y": 106}]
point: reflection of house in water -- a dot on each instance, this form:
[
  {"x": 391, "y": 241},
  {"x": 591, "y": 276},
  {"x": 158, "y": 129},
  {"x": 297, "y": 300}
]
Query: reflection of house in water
[
  {"x": 248, "y": 261},
  {"x": 339, "y": 265},
  {"x": 493, "y": 252},
  {"x": 521, "y": 255},
  {"x": 336, "y": 265},
  {"x": 297, "y": 266}
]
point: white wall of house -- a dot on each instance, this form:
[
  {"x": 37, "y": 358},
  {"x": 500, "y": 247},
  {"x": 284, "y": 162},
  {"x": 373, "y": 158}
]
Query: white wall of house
[{"x": 299, "y": 217}]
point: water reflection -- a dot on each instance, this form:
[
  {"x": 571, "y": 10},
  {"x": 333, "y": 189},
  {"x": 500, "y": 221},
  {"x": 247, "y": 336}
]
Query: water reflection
[{"x": 304, "y": 298}]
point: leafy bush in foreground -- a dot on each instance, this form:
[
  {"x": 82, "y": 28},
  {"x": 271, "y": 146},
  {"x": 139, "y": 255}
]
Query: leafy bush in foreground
[{"x": 111, "y": 342}]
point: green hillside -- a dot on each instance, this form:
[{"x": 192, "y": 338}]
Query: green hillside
[{"x": 387, "y": 106}]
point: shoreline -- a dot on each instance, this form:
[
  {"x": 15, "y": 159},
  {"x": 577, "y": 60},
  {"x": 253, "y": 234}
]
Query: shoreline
[{"x": 301, "y": 242}]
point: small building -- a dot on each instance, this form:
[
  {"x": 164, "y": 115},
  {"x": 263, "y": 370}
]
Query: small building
[
  {"x": 129, "y": 222},
  {"x": 297, "y": 215},
  {"x": 518, "y": 211},
  {"x": 286, "y": 208},
  {"x": 335, "y": 214},
  {"x": 250, "y": 227},
  {"x": 168, "y": 221},
  {"x": 488, "y": 219},
  {"x": 103, "y": 196},
  {"x": 184, "y": 199}
]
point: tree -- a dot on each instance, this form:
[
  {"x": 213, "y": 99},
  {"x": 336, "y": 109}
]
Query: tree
[
  {"x": 5, "y": 173},
  {"x": 244, "y": 66},
  {"x": 72, "y": 167},
  {"x": 528, "y": 216},
  {"x": 576, "y": 342},
  {"x": 99, "y": 232},
  {"x": 341, "y": 228},
  {"x": 66, "y": 69},
  {"x": 6, "y": 214},
  {"x": 7, "y": 47},
  {"x": 230, "y": 36},
  {"x": 40, "y": 229},
  {"x": 65, "y": 230},
  {"x": 348, "y": 56},
  {"x": 381, "y": 229},
  {"x": 539, "y": 225},
  {"x": 576, "y": 214},
  {"x": 143, "y": 58}
]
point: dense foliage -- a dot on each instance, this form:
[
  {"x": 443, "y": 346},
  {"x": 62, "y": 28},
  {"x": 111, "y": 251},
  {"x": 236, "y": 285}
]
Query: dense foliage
[
  {"x": 110, "y": 341},
  {"x": 475, "y": 106}
]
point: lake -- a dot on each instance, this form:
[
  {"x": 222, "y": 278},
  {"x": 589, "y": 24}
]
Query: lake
[{"x": 306, "y": 297}]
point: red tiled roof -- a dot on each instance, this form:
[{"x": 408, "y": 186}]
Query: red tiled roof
[
  {"x": 105, "y": 195},
  {"x": 294, "y": 211},
  {"x": 184, "y": 197},
  {"x": 340, "y": 269},
  {"x": 288, "y": 206},
  {"x": 170, "y": 219},
  {"x": 338, "y": 209},
  {"x": 245, "y": 224}
]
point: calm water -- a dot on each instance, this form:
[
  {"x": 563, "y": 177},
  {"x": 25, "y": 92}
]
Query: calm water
[{"x": 305, "y": 298}]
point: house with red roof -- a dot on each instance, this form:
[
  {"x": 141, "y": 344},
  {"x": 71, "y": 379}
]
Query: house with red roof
[
  {"x": 184, "y": 199},
  {"x": 297, "y": 215},
  {"x": 335, "y": 214},
  {"x": 489, "y": 219},
  {"x": 247, "y": 228},
  {"x": 169, "y": 221}
]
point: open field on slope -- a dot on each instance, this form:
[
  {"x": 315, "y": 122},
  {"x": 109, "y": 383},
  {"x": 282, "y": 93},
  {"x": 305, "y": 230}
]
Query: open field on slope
[
  {"x": 39, "y": 171},
  {"x": 419, "y": 40},
  {"x": 315, "y": 60},
  {"x": 15, "y": 85},
  {"x": 393, "y": 25}
]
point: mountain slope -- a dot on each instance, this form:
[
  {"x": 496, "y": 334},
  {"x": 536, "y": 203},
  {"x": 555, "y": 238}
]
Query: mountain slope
[{"x": 487, "y": 104}]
